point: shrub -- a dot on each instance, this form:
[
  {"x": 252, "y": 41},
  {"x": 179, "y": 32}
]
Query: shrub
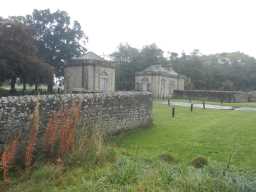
[
  {"x": 199, "y": 162},
  {"x": 167, "y": 157}
]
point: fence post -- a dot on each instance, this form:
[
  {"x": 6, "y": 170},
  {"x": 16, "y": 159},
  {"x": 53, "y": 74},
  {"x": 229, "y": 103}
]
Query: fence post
[
  {"x": 173, "y": 111},
  {"x": 203, "y": 104}
]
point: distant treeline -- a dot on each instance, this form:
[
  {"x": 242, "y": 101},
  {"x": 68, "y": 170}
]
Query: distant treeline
[{"x": 224, "y": 71}]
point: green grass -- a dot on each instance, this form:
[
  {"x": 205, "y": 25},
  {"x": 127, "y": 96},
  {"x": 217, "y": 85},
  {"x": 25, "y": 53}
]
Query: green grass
[
  {"x": 130, "y": 174},
  {"x": 215, "y": 134},
  {"x": 159, "y": 158}
]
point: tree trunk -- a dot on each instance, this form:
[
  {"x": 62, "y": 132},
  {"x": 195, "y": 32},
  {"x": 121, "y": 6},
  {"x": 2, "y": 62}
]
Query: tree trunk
[
  {"x": 50, "y": 84},
  {"x": 50, "y": 87},
  {"x": 36, "y": 86},
  {"x": 13, "y": 82},
  {"x": 24, "y": 86}
]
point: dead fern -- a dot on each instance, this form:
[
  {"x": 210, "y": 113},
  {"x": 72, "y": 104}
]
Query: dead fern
[
  {"x": 33, "y": 136},
  {"x": 8, "y": 157}
]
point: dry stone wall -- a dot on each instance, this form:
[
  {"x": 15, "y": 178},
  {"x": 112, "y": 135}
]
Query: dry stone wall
[
  {"x": 225, "y": 96},
  {"x": 110, "y": 112}
]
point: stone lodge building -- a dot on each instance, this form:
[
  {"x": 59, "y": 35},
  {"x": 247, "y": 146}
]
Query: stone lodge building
[
  {"x": 159, "y": 80},
  {"x": 89, "y": 72}
]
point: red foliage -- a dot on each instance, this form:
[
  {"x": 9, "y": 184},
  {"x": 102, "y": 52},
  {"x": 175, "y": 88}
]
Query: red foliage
[
  {"x": 33, "y": 137},
  {"x": 8, "y": 156},
  {"x": 65, "y": 121},
  {"x": 30, "y": 147},
  {"x": 67, "y": 131},
  {"x": 51, "y": 134}
]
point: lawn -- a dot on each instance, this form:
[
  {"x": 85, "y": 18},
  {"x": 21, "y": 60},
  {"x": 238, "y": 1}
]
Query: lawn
[
  {"x": 132, "y": 162},
  {"x": 215, "y": 134}
]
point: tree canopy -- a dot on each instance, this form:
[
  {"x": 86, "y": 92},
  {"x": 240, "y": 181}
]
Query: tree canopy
[
  {"x": 41, "y": 39},
  {"x": 18, "y": 54},
  {"x": 57, "y": 37},
  {"x": 131, "y": 60}
]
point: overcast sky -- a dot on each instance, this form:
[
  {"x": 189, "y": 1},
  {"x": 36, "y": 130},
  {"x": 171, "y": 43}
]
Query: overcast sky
[{"x": 174, "y": 25}]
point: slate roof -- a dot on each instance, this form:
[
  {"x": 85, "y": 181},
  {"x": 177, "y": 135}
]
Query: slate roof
[
  {"x": 89, "y": 56},
  {"x": 158, "y": 70}
]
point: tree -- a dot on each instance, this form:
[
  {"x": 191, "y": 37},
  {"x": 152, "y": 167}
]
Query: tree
[
  {"x": 18, "y": 56},
  {"x": 42, "y": 75},
  {"x": 126, "y": 58},
  {"x": 173, "y": 57},
  {"x": 151, "y": 55},
  {"x": 130, "y": 60},
  {"x": 17, "y": 52},
  {"x": 125, "y": 54},
  {"x": 57, "y": 38}
]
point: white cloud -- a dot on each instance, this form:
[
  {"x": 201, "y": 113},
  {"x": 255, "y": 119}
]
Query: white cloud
[{"x": 174, "y": 25}]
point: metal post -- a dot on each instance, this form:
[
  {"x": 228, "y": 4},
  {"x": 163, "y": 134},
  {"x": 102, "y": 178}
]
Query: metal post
[{"x": 173, "y": 111}]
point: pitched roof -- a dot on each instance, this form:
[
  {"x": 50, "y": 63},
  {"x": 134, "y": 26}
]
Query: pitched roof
[
  {"x": 89, "y": 56},
  {"x": 159, "y": 70}
]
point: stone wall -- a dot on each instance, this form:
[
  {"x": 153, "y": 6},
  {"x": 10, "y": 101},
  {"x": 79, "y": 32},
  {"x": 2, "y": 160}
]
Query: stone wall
[
  {"x": 111, "y": 112},
  {"x": 225, "y": 96}
]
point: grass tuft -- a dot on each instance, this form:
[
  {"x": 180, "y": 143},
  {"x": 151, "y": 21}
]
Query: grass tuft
[
  {"x": 167, "y": 157},
  {"x": 199, "y": 162}
]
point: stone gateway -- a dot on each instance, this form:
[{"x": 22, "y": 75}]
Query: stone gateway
[
  {"x": 159, "y": 80},
  {"x": 89, "y": 72}
]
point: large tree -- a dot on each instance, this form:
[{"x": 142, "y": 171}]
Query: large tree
[
  {"x": 18, "y": 53},
  {"x": 152, "y": 55},
  {"x": 57, "y": 38},
  {"x": 126, "y": 58}
]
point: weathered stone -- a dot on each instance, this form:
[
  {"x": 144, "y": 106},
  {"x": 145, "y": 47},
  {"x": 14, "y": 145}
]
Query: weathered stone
[
  {"x": 224, "y": 96},
  {"x": 111, "y": 112},
  {"x": 160, "y": 80}
]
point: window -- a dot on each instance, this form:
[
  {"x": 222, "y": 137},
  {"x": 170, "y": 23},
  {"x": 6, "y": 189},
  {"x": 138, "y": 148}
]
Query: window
[
  {"x": 171, "y": 86},
  {"x": 145, "y": 84},
  {"x": 104, "y": 81}
]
